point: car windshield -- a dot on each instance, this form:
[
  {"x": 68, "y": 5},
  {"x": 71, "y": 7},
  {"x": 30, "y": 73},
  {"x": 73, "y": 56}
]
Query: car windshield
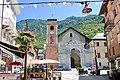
[{"x": 60, "y": 66}]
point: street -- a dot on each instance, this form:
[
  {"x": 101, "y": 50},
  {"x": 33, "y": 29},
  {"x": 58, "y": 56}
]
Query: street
[
  {"x": 93, "y": 77},
  {"x": 73, "y": 75}
]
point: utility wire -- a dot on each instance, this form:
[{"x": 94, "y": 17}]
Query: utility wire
[{"x": 30, "y": 3}]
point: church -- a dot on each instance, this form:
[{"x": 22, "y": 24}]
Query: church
[{"x": 67, "y": 47}]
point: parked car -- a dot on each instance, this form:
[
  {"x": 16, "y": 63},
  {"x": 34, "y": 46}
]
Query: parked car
[
  {"x": 104, "y": 72},
  {"x": 60, "y": 68}
]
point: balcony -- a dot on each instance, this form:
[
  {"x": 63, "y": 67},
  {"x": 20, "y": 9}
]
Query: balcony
[
  {"x": 9, "y": 27},
  {"x": 109, "y": 25}
]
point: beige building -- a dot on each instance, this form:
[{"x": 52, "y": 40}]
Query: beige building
[
  {"x": 111, "y": 11},
  {"x": 99, "y": 47}
]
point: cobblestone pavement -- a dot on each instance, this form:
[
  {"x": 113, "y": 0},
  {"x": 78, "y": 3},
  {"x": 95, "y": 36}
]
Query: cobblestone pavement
[{"x": 93, "y": 77}]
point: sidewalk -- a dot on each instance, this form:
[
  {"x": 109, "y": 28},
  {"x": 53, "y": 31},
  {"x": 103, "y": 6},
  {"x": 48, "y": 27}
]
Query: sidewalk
[{"x": 70, "y": 75}]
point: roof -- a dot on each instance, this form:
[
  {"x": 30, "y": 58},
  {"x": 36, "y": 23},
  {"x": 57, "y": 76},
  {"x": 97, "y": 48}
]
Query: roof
[
  {"x": 51, "y": 19},
  {"x": 74, "y": 30},
  {"x": 99, "y": 36},
  {"x": 103, "y": 7}
]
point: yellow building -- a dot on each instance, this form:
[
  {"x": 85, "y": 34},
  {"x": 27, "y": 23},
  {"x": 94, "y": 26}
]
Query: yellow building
[{"x": 99, "y": 48}]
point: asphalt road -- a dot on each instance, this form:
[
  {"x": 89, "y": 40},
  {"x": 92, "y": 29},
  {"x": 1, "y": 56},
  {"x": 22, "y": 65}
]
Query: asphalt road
[
  {"x": 93, "y": 77},
  {"x": 73, "y": 75}
]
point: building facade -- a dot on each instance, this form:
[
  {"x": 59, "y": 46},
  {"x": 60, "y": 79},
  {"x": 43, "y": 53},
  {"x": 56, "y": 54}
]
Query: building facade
[
  {"x": 71, "y": 51},
  {"x": 111, "y": 11},
  {"x": 8, "y": 28},
  {"x": 52, "y": 40},
  {"x": 98, "y": 45},
  {"x": 67, "y": 47}
]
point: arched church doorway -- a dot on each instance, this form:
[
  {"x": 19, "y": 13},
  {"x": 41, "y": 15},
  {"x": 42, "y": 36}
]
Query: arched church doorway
[{"x": 75, "y": 58}]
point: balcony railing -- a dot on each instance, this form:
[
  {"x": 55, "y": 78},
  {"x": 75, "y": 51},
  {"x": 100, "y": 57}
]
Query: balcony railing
[
  {"x": 8, "y": 24},
  {"x": 109, "y": 25}
]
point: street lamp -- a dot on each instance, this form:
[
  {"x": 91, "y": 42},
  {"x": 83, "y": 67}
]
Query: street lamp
[{"x": 86, "y": 9}]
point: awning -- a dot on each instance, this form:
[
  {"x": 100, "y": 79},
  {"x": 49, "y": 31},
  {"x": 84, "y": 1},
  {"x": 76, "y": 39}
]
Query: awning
[{"x": 12, "y": 49}]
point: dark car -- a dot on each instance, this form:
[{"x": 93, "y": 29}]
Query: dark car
[{"x": 60, "y": 68}]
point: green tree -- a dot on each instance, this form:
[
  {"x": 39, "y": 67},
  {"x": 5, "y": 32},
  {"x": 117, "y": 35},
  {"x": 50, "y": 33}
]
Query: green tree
[{"x": 25, "y": 40}]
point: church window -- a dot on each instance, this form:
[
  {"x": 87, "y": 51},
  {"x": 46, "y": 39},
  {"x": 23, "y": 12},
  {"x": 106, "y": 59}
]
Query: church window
[
  {"x": 99, "y": 63},
  {"x": 70, "y": 34},
  {"x": 51, "y": 27}
]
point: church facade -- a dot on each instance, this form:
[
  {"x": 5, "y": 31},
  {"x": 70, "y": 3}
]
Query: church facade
[{"x": 67, "y": 47}]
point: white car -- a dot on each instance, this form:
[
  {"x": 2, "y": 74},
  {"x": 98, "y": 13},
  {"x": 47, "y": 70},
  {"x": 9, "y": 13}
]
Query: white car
[{"x": 104, "y": 72}]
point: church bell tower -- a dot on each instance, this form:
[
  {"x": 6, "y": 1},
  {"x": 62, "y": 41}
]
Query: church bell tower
[{"x": 52, "y": 39}]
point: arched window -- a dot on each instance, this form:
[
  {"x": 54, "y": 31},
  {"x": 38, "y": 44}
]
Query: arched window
[
  {"x": 51, "y": 27},
  {"x": 70, "y": 34}
]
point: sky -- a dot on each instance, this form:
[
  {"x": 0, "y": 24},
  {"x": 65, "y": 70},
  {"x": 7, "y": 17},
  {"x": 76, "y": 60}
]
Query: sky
[{"x": 59, "y": 11}]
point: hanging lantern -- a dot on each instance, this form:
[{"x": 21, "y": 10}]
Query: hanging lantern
[{"x": 86, "y": 9}]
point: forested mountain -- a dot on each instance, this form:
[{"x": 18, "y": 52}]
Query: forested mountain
[{"x": 89, "y": 26}]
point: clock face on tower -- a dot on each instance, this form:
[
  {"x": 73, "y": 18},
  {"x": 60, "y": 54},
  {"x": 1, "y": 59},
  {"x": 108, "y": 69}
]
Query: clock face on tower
[{"x": 52, "y": 32}]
